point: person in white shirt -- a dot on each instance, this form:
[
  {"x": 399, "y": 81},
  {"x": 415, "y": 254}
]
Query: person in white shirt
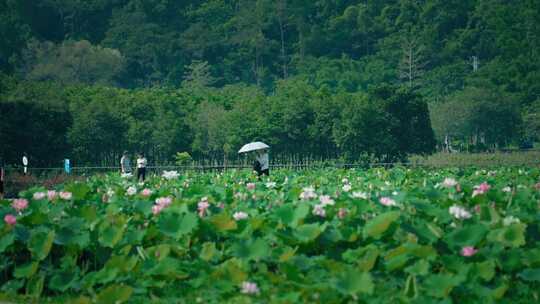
[
  {"x": 141, "y": 167},
  {"x": 262, "y": 159},
  {"x": 25, "y": 163}
]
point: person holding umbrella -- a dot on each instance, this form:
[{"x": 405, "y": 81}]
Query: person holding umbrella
[
  {"x": 262, "y": 159},
  {"x": 261, "y": 164}
]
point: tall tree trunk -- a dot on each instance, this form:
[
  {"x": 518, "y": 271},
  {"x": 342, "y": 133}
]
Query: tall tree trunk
[{"x": 281, "y": 12}]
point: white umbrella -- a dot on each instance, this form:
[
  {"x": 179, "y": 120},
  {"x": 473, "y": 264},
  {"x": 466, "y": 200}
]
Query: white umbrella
[{"x": 254, "y": 146}]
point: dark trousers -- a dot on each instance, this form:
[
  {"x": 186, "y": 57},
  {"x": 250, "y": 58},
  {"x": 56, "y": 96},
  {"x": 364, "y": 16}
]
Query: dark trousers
[
  {"x": 264, "y": 172},
  {"x": 141, "y": 172}
]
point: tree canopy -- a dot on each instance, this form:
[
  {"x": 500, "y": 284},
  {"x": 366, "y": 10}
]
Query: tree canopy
[{"x": 329, "y": 78}]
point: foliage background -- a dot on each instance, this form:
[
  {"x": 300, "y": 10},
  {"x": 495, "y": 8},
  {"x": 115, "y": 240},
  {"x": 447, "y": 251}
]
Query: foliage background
[{"x": 96, "y": 77}]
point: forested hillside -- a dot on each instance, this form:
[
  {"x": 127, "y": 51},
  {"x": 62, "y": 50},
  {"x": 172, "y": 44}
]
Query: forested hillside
[{"x": 87, "y": 79}]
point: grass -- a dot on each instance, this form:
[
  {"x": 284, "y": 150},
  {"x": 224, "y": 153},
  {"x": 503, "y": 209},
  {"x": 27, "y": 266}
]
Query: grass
[{"x": 518, "y": 158}]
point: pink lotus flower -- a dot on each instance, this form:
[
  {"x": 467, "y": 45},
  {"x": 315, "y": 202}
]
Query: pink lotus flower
[
  {"x": 65, "y": 195},
  {"x": 342, "y": 213},
  {"x": 146, "y": 192},
  {"x": 39, "y": 196},
  {"x": 468, "y": 251},
  {"x": 387, "y": 201},
  {"x": 221, "y": 205},
  {"x": 250, "y": 288},
  {"x": 156, "y": 209},
  {"x": 19, "y": 204},
  {"x": 477, "y": 208},
  {"x": 51, "y": 195},
  {"x": 163, "y": 201},
  {"x": 481, "y": 189},
  {"x": 251, "y": 186},
  {"x": 10, "y": 219}
]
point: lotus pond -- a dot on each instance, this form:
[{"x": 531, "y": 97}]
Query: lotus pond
[{"x": 324, "y": 236}]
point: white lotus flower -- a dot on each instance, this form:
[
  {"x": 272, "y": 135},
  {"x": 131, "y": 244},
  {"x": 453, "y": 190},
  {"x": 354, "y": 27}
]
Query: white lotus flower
[
  {"x": 319, "y": 210},
  {"x": 240, "y": 216},
  {"x": 449, "y": 182},
  {"x": 459, "y": 212},
  {"x": 326, "y": 200},
  {"x": 170, "y": 174},
  {"x": 509, "y": 220},
  {"x": 361, "y": 195},
  {"x": 308, "y": 193},
  {"x": 131, "y": 191},
  {"x": 270, "y": 185}
]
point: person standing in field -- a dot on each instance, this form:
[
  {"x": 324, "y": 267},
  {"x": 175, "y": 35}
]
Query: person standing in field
[
  {"x": 125, "y": 163},
  {"x": 141, "y": 167},
  {"x": 25, "y": 163},
  {"x": 262, "y": 159}
]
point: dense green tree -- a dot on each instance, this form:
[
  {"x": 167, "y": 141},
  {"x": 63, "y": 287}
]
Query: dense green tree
[
  {"x": 34, "y": 120},
  {"x": 308, "y": 77},
  {"x": 364, "y": 129},
  {"x": 72, "y": 62},
  {"x": 478, "y": 114},
  {"x": 409, "y": 121}
]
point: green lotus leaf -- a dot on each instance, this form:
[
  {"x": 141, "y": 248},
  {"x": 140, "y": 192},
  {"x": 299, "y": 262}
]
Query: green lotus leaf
[
  {"x": 41, "y": 242},
  {"x": 114, "y": 294},
  {"x": 6, "y": 241},
  {"x": 308, "y": 232},
  {"x": 176, "y": 225},
  {"x": 376, "y": 227},
  {"x": 208, "y": 251},
  {"x": 353, "y": 282},
  {"x": 223, "y": 222},
  {"x": 511, "y": 236},
  {"x": 63, "y": 280},
  {"x": 441, "y": 285},
  {"x": 531, "y": 274},
  {"x": 26, "y": 270},
  {"x": 111, "y": 230},
  {"x": 466, "y": 236},
  {"x": 251, "y": 249}
]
